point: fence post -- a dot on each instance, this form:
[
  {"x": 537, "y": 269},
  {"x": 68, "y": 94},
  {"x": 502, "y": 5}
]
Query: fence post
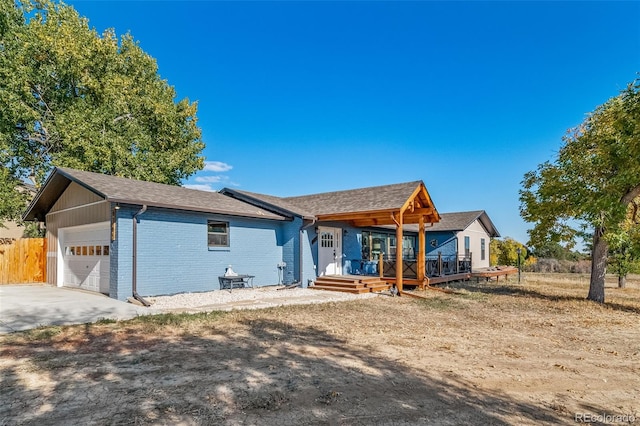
[{"x": 440, "y": 263}]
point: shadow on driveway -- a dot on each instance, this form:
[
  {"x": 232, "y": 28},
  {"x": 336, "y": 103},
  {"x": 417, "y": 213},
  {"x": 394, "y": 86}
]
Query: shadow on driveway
[{"x": 23, "y": 307}]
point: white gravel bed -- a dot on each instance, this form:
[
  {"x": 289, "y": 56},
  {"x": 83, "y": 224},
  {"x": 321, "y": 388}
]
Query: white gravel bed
[{"x": 248, "y": 298}]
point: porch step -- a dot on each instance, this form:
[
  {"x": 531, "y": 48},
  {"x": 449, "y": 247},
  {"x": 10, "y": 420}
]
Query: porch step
[
  {"x": 339, "y": 285},
  {"x": 341, "y": 289},
  {"x": 375, "y": 288},
  {"x": 348, "y": 278},
  {"x": 355, "y": 284}
]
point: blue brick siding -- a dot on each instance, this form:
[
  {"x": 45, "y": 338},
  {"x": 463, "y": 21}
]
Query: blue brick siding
[
  {"x": 291, "y": 250},
  {"x": 446, "y": 243},
  {"x": 173, "y": 256},
  {"x": 309, "y": 255},
  {"x": 121, "y": 255}
]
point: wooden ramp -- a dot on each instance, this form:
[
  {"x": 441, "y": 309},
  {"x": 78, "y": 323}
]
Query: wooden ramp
[
  {"x": 355, "y": 284},
  {"x": 448, "y": 278},
  {"x": 496, "y": 273}
]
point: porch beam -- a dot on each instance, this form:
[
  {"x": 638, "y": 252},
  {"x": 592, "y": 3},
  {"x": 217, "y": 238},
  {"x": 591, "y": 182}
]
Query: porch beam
[
  {"x": 414, "y": 219},
  {"x": 399, "y": 263},
  {"x": 422, "y": 211},
  {"x": 407, "y": 219},
  {"x": 383, "y": 218},
  {"x": 410, "y": 200},
  {"x": 356, "y": 215},
  {"x": 371, "y": 222},
  {"x": 421, "y": 250}
]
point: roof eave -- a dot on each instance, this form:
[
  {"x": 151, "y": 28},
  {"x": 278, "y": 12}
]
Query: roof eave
[
  {"x": 263, "y": 204},
  {"x": 493, "y": 231},
  {"x": 33, "y": 212},
  {"x": 197, "y": 210}
]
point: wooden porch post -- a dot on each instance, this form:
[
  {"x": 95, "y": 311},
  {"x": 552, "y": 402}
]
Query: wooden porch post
[
  {"x": 399, "y": 263},
  {"x": 421, "y": 251}
]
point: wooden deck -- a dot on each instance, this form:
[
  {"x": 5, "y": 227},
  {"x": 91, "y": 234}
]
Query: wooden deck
[
  {"x": 358, "y": 284},
  {"x": 355, "y": 284},
  {"x": 448, "y": 278},
  {"x": 494, "y": 273}
]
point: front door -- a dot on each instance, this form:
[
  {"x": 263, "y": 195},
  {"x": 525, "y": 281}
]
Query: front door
[{"x": 329, "y": 251}]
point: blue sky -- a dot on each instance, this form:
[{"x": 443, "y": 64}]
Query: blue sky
[{"x": 303, "y": 97}]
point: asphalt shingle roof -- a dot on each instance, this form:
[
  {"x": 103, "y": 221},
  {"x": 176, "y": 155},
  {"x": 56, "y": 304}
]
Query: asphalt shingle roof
[
  {"x": 130, "y": 191},
  {"x": 356, "y": 200},
  {"x": 373, "y": 198},
  {"x": 459, "y": 221},
  {"x": 271, "y": 200}
]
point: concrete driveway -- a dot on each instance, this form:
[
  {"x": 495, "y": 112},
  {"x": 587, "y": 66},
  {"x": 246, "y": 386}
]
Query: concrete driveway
[{"x": 23, "y": 307}]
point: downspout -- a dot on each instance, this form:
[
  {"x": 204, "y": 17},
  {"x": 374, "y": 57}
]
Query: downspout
[
  {"x": 300, "y": 248},
  {"x": 134, "y": 267}
]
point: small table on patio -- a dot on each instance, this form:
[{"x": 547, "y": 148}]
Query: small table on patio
[{"x": 236, "y": 281}]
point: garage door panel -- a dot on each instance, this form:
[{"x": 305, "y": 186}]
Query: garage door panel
[
  {"x": 86, "y": 258},
  {"x": 83, "y": 273}
]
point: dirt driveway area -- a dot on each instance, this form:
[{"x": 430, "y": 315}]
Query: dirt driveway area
[{"x": 534, "y": 353}]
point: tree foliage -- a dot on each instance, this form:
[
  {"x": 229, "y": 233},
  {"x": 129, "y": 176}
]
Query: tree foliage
[
  {"x": 591, "y": 183},
  {"x": 505, "y": 252},
  {"x": 494, "y": 251},
  {"x": 74, "y": 98},
  {"x": 624, "y": 245},
  {"x": 13, "y": 201}
]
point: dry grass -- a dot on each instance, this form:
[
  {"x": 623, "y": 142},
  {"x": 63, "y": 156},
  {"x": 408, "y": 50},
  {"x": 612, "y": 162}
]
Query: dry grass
[{"x": 493, "y": 353}]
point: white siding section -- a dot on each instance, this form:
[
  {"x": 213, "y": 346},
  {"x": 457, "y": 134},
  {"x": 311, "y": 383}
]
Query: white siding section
[{"x": 475, "y": 232}]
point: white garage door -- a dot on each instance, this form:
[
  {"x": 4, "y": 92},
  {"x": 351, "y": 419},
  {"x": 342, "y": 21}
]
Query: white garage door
[{"x": 85, "y": 258}]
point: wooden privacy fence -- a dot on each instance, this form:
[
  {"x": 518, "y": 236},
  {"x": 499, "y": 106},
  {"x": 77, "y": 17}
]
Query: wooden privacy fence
[{"x": 23, "y": 261}]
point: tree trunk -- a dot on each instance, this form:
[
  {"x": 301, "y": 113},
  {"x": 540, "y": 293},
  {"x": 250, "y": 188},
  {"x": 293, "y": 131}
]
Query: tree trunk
[
  {"x": 598, "y": 266},
  {"x": 622, "y": 281}
]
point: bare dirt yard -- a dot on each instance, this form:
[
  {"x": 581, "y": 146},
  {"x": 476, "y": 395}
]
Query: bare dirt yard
[{"x": 492, "y": 353}]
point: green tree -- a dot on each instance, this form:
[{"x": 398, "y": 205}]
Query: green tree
[
  {"x": 624, "y": 246},
  {"x": 591, "y": 183},
  {"x": 71, "y": 97},
  {"x": 494, "y": 251},
  {"x": 13, "y": 201},
  {"x": 508, "y": 252}
]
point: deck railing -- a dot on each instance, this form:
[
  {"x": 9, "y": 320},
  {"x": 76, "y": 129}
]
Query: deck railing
[
  {"x": 437, "y": 265},
  {"x": 441, "y": 264}
]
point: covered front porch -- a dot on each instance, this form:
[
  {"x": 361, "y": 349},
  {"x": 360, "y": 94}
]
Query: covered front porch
[{"x": 406, "y": 205}]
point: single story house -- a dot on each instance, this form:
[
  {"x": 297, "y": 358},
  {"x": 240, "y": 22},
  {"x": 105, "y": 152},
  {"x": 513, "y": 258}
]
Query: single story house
[
  {"x": 124, "y": 237},
  {"x": 463, "y": 236}
]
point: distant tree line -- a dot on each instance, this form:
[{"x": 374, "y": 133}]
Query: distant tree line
[{"x": 556, "y": 258}]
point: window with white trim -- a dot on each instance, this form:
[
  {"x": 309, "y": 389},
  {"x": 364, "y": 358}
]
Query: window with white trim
[
  {"x": 467, "y": 246},
  {"x": 217, "y": 233}
]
